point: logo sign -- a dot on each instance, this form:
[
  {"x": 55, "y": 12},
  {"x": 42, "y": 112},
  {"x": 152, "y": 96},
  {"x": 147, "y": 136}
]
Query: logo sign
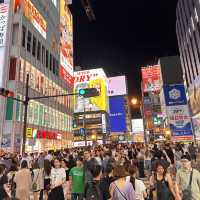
[
  {"x": 117, "y": 114},
  {"x": 180, "y": 121},
  {"x": 32, "y": 14},
  {"x": 117, "y": 86},
  {"x": 29, "y": 132},
  {"x": 175, "y": 95},
  {"x": 82, "y": 131},
  {"x": 4, "y": 8},
  {"x": 66, "y": 43},
  {"x": 151, "y": 78}
]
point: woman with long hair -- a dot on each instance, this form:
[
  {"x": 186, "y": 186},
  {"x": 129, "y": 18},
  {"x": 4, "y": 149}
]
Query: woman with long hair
[
  {"x": 38, "y": 180},
  {"x": 121, "y": 189},
  {"x": 161, "y": 183},
  {"x": 138, "y": 185},
  {"x": 23, "y": 182},
  {"x": 47, "y": 175}
]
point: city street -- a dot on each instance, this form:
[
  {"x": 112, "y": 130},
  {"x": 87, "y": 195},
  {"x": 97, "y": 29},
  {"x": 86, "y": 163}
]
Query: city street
[{"x": 99, "y": 100}]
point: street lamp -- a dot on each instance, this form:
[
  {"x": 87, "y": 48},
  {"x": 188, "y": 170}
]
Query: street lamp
[{"x": 134, "y": 101}]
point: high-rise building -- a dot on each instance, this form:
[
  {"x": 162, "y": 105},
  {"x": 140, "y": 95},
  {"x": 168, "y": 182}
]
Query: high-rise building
[
  {"x": 188, "y": 34},
  {"x": 36, "y": 39}
]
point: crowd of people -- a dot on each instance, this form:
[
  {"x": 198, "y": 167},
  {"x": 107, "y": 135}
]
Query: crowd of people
[{"x": 110, "y": 172}]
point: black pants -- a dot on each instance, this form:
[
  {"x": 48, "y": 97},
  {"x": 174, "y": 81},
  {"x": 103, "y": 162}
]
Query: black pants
[{"x": 56, "y": 194}]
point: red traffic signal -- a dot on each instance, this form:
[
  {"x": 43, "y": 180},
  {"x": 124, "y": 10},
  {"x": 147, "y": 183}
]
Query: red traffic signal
[{"x": 6, "y": 93}]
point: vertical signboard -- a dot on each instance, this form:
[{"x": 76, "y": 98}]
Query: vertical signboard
[
  {"x": 117, "y": 114},
  {"x": 151, "y": 78},
  {"x": 178, "y": 112},
  {"x": 4, "y": 8},
  {"x": 66, "y": 43}
]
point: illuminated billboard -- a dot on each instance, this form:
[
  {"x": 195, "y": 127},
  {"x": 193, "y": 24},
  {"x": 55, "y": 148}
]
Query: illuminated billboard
[
  {"x": 117, "y": 114},
  {"x": 66, "y": 43},
  {"x": 33, "y": 15},
  {"x": 4, "y": 8},
  {"x": 151, "y": 78},
  {"x": 117, "y": 86},
  {"x": 94, "y": 78},
  {"x": 137, "y": 126}
]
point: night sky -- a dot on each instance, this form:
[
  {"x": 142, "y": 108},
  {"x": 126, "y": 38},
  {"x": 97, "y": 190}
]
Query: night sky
[{"x": 127, "y": 34}]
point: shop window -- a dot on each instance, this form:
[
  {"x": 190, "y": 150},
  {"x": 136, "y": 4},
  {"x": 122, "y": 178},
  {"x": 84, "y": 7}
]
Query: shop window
[
  {"x": 29, "y": 38},
  {"x": 12, "y": 71},
  {"x": 34, "y": 46},
  {"x": 38, "y": 50},
  {"x": 47, "y": 58},
  {"x": 43, "y": 55},
  {"x": 50, "y": 67},
  {"x": 9, "y": 109},
  {"x": 15, "y": 33},
  {"x": 23, "y": 36}
]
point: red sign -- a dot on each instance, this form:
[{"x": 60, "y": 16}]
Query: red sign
[
  {"x": 182, "y": 138},
  {"x": 66, "y": 76},
  {"x": 48, "y": 135},
  {"x": 151, "y": 77}
]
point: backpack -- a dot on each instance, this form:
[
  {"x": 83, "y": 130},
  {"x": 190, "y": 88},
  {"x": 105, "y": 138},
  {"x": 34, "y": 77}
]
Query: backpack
[{"x": 92, "y": 191}]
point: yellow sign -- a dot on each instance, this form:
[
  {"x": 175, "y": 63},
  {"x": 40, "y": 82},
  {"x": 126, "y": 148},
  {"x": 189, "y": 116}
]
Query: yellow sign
[{"x": 29, "y": 132}]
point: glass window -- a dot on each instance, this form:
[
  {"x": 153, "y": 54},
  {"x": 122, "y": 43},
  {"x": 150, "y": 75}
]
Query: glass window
[
  {"x": 29, "y": 38},
  {"x": 57, "y": 68},
  {"x": 38, "y": 50},
  {"x": 50, "y": 67},
  {"x": 47, "y": 58},
  {"x": 9, "y": 109},
  {"x": 23, "y": 36},
  {"x": 43, "y": 55},
  {"x": 34, "y": 46},
  {"x": 21, "y": 70},
  {"x": 36, "y": 113},
  {"x": 54, "y": 65}
]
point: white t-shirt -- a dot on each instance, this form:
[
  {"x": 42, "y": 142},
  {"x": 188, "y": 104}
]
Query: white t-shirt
[
  {"x": 140, "y": 188},
  {"x": 58, "y": 176}
]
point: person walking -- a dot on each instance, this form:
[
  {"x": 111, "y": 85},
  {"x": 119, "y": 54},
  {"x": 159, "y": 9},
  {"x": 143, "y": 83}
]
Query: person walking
[
  {"x": 37, "y": 180},
  {"x": 3, "y": 183},
  {"x": 23, "y": 182},
  {"x": 121, "y": 189},
  {"x": 138, "y": 185},
  {"x": 161, "y": 184},
  {"x": 76, "y": 177},
  {"x": 58, "y": 177},
  {"x": 187, "y": 180}
]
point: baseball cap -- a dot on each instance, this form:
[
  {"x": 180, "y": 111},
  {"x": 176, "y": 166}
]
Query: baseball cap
[{"x": 186, "y": 157}]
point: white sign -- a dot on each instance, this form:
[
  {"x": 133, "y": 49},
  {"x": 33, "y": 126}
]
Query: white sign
[
  {"x": 103, "y": 123},
  {"x": 137, "y": 126},
  {"x": 117, "y": 86},
  {"x": 4, "y": 8}
]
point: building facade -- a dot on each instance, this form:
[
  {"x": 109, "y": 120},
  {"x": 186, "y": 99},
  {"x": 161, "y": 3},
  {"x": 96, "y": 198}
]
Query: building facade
[
  {"x": 188, "y": 35},
  {"x": 34, "y": 46}
]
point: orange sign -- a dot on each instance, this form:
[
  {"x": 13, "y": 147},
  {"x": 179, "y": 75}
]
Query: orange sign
[{"x": 35, "y": 17}]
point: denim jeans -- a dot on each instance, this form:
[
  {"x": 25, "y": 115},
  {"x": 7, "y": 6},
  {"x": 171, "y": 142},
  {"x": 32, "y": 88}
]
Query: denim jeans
[{"x": 76, "y": 196}]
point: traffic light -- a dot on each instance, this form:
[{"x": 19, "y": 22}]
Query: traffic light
[
  {"x": 88, "y": 92},
  {"x": 74, "y": 124},
  {"x": 6, "y": 93}
]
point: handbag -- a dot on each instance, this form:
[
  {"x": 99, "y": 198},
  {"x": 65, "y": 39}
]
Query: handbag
[
  {"x": 34, "y": 184},
  {"x": 187, "y": 193}
]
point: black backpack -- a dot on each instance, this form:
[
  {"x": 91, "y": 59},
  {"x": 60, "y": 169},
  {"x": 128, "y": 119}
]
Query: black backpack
[{"x": 92, "y": 191}]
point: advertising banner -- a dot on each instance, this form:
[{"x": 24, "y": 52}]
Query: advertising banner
[
  {"x": 94, "y": 78},
  {"x": 4, "y": 8},
  {"x": 33, "y": 15},
  {"x": 117, "y": 114},
  {"x": 175, "y": 95},
  {"x": 196, "y": 125},
  {"x": 151, "y": 77},
  {"x": 117, "y": 86},
  {"x": 137, "y": 126},
  {"x": 180, "y": 122},
  {"x": 66, "y": 43}
]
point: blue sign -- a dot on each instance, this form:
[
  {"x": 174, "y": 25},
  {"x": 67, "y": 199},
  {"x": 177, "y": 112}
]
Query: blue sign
[
  {"x": 117, "y": 114},
  {"x": 82, "y": 131},
  {"x": 181, "y": 131},
  {"x": 175, "y": 95}
]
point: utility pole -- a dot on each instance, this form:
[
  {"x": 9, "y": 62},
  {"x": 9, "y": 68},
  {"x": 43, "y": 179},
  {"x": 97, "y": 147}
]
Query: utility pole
[
  {"x": 84, "y": 124},
  {"x": 25, "y": 114}
]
